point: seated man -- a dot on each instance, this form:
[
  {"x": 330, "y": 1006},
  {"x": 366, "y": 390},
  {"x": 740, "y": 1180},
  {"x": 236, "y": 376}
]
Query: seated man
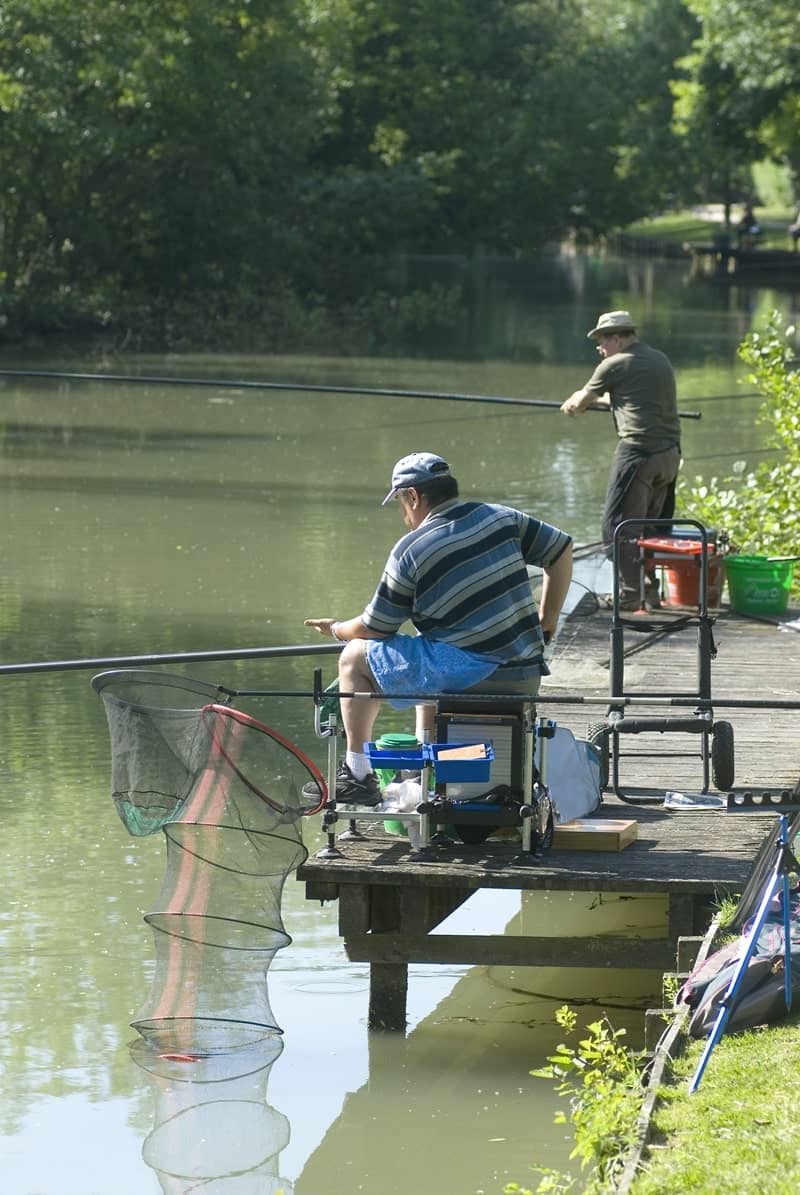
[{"x": 459, "y": 576}]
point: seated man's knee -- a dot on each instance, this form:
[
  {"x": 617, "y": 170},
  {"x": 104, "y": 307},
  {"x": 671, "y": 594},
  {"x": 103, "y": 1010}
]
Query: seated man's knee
[{"x": 354, "y": 671}]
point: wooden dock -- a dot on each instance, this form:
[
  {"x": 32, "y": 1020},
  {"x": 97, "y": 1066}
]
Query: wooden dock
[
  {"x": 725, "y": 257},
  {"x": 390, "y": 901}
]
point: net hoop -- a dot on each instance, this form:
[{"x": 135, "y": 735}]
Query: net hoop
[
  {"x": 247, "y": 720},
  {"x": 103, "y": 680}
]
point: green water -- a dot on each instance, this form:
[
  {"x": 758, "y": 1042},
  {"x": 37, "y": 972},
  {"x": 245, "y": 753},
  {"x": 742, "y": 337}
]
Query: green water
[{"x": 152, "y": 518}]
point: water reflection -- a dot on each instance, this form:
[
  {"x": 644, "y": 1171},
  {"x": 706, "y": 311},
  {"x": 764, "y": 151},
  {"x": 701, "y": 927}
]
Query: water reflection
[{"x": 213, "y": 1127}]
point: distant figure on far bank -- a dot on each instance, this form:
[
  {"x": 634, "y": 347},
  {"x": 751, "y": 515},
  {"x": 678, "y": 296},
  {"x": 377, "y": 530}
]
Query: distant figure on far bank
[
  {"x": 638, "y": 383},
  {"x": 748, "y": 228},
  {"x": 794, "y": 229}
]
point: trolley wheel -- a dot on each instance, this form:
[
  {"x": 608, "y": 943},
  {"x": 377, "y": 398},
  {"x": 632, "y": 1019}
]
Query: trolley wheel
[
  {"x": 598, "y": 733},
  {"x": 722, "y": 770}
]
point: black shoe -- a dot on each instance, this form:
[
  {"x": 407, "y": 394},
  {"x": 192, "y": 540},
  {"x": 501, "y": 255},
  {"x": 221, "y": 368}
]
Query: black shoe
[{"x": 349, "y": 791}]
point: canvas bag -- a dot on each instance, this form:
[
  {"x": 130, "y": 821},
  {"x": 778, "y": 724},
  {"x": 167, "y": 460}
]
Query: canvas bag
[{"x": 573, "y": 775}]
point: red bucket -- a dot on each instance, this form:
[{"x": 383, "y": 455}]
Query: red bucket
[
  {"x": 680, "y": 560},
  {"x": 683, "y": 581}
]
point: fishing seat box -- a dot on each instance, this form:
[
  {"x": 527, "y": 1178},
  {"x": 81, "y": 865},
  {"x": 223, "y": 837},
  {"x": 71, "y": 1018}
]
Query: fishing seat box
[{"x": 503, "y": 725}]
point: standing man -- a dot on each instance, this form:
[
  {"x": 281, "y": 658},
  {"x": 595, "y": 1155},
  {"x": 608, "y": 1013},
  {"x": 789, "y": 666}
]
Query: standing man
[
  {"x": 638, "y": 383},
  {"x": 459, "y": 576}
]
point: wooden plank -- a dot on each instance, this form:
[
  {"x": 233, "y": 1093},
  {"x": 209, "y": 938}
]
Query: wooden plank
[
  {"x": 496, "y": 950},
  {"x": 354, "y": 909},
  {"x": 698, "y": 852},
  {"x": 595, "y": 834},
  {"x": 322, "y": 890},
  {"x": 682, "y": 916}
]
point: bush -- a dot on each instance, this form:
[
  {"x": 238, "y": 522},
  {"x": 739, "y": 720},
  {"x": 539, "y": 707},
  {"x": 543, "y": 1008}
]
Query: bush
[{"x": 760, "y": 508}]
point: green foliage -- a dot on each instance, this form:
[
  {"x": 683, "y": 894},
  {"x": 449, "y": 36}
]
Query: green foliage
[
  {"x": 772, "y": 183},
  {"x": 165, "y": 165},
  {"x": 760, "y": 507},
  {"x": 601, "y": 1079},
  {"x": 752, "y": 45}
]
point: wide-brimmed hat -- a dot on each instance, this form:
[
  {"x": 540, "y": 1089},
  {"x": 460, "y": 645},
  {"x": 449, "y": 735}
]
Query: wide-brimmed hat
[
  {"x": 415, "y": 469},
  {"x": 613, "y": 321}
]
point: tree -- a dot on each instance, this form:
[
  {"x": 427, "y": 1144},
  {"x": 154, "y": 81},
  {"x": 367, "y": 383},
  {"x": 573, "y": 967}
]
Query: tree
[
  {"x": 741, "y": 95},
  {"x": 151, "y": 146},
  {"x": 499, "y": 118}
]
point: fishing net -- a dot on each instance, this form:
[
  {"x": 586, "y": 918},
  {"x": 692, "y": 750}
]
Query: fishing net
[
  {"x": 228, "y": 793},
  {"x": 159, "y": 742}
]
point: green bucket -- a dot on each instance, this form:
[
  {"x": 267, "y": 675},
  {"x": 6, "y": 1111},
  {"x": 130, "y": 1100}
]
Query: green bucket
[
  {"x": 394, "y": 742},
  {"x": 759, "y": 584}
]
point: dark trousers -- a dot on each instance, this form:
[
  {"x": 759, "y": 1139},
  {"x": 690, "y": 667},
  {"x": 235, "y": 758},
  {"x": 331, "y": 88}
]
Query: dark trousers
[{"x": 641, "y": 486}]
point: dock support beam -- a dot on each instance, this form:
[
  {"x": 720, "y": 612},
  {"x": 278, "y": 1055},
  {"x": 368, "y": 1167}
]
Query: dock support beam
[{"x": 388, "y": 994}]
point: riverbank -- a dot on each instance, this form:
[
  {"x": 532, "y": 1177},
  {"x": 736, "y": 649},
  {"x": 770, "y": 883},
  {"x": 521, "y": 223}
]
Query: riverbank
[
  {"x": 675, "y": 233},
  {"x": 737, "y": 1134}
]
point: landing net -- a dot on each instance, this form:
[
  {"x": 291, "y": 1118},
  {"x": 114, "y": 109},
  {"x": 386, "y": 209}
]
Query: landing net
[{"x": 228, "y": 793}]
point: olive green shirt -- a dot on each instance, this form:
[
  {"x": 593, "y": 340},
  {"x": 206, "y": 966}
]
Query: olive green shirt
[{"x": 641, "y": 383}]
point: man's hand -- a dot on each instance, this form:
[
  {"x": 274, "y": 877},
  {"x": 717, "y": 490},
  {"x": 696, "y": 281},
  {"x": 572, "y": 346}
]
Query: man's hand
[
  {"x": 576, "y": 403},
  {"x": 323, "y": 625}
]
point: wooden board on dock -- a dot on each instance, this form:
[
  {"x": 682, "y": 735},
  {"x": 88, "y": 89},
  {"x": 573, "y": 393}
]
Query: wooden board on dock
[{"x": 595, "y": 834}]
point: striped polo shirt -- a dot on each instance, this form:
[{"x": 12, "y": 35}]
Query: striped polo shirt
[{"x": 460, "y": 577}]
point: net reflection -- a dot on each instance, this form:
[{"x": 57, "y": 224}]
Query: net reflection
[{"x": 213, "y": 1128}]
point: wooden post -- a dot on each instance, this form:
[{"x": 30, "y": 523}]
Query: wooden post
[
  {"x": 388, "y": 993},
  {"x": 388, "y": 982}
]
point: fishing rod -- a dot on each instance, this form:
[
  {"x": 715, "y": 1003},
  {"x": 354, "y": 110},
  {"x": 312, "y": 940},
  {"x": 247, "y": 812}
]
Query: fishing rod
[
  {"x": 252, "y": 653},
  {"x": 184, "y": 657},
  {"x": 377, "y": 392}
]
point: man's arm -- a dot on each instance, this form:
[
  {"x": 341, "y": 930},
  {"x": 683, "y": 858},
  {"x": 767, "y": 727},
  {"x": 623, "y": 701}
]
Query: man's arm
[
  {"x": 350, "y": 628},
  {"x": 581, "y": 399},
  {"x": 555, "y": 584}
]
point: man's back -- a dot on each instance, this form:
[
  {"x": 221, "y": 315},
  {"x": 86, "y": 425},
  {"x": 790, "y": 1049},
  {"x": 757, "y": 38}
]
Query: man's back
[
  {"x": 461, "y": 578},
  {"x": 641, "y": 382}
]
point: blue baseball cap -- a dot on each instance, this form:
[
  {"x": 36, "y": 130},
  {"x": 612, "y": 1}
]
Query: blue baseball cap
[{"x": 416, "y": 469}]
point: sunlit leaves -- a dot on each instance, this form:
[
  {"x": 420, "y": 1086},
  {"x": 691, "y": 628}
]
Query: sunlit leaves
[{"x": 760, "y": 507}]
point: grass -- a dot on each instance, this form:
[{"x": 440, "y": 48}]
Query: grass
[
  {"x": 678, "y": 226},
  {"x": 739, "y": 1133},
  {"x": 693, "y": 227}
]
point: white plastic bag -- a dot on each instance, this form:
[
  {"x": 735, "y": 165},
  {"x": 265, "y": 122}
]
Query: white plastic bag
[
  {"x": 573, "y": 775},
  {"x": 401, "y": 796}
]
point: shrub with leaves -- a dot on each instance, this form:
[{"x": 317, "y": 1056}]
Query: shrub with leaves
[
  {"x": 760, "y": 508},
  {"x": 601, "y": 1078}
]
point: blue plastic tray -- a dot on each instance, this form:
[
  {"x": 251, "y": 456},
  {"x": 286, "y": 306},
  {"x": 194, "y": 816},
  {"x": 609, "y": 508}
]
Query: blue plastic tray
[
  {"x": 448, "y": 771},
  {"x": 466, "y": 771},
  {"x": 392, "y": 759}
]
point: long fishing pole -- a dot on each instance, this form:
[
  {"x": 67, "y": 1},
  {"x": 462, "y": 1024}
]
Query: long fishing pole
[
  {"x": 184, "y": 657},
  {"x": 251, "y": 653},
  {"x": 306, "y": 386}
]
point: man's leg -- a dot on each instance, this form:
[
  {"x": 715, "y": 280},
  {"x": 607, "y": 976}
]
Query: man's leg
[
  {"x": 424, "y": 720},
  {"x": 645, "y": 499},
  {"x": 358, "y": 713}
]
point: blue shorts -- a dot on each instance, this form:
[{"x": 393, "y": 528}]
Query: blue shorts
[{"x": 414, "y": 664}]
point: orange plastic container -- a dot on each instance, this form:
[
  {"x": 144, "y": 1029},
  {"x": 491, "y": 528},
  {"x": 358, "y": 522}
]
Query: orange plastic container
[{"x": 680, "y": 560}]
